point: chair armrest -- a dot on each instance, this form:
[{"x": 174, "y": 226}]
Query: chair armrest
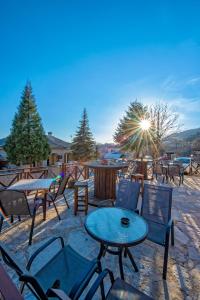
[
  {"x": 98, "y": 282},
  {"x": 35, "y": 254},
  {"x": 33, "y": 285}
]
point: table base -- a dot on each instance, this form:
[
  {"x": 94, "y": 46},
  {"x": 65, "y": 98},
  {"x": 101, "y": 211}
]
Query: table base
[{"x": 119, "y": 252}]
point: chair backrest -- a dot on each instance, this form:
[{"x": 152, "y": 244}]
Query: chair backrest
[
  {"x": 8, "y": 290},
  {"x": 62, "y": 186},
  {"x": 157, "y": 203},
  {"x": 158, "y": 168},
  {"x": 14, "y": 203},
  {"x": 128, "y": 194},
  {"x": 174, "y": 170}
]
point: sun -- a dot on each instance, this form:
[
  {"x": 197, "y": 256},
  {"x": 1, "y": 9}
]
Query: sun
[{"x": 145, "y": 124}]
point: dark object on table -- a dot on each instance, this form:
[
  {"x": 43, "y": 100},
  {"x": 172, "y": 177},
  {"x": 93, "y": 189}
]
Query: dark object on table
[
  {"x": 125, "y": 221},
  {"x": 14, "y": 203},
  {"x": 120, "y": 290},
  {"x": 68, "y": 268},
  {"x": 156, "y": 209},
  {"x": 127, "y": 195}
]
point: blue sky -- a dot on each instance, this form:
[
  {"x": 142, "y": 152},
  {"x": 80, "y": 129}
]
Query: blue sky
[{"x": 100, "y": 55}]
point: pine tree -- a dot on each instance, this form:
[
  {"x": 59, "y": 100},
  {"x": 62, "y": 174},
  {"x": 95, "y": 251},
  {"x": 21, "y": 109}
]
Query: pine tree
[
  {"x": 83, "y": 144},
  {"x": 27, "y": 142},
  {"x": 129, "y": 134}
]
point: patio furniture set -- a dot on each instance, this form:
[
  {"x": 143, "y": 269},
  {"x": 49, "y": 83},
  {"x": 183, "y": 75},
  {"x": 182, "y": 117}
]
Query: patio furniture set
[
  {"x": 117, "y": 229},
  {"x": 169, "y": 170}
]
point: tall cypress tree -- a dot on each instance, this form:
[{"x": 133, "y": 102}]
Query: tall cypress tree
[
  {"x": 83, "y": 144},
  {"x": 27, "y": 142}
]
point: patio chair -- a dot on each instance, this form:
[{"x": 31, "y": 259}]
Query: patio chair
[
  {"x": 158, "y": 170},
  {"x": 14, "y": 203},
  {"x": 8, "y": 290},
  {"x": 66, "y": 270},
  {"x": 120, "y": 290},
  {"x": 156, "y": 210},
  {"x": 176, "y": 170},
  {"x": 53, "y": 196},
  {"x": 127, "y": 196}
]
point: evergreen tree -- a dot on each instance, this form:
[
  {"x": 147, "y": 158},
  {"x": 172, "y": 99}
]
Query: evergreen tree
[
  {"x": 27, "y": 142},
  {"x": 129, "y": 134},
  {"x": 83, "y": 144}
]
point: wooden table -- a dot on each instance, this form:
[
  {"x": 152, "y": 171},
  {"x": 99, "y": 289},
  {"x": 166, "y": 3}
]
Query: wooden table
[
  {"x": 34, "y": 185},
  {"x": 105, "y": 177}
]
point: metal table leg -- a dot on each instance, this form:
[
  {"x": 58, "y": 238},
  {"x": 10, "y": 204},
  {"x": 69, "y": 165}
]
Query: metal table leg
[
  {"x": 121, "y": 264},
  {"x": 131, "y": 259}
]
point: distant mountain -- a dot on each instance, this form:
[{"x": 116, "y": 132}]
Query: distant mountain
[{"x": 187, "y": 135}]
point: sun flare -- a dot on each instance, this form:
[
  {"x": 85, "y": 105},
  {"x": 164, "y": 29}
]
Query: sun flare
[{"x": 145, "y": 124}]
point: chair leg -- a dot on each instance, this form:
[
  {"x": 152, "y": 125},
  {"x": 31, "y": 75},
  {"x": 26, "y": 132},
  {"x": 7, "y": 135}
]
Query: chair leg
[
  {"x": 1, "y": 222},
  {"x": 165, "y": 261},
  {"x": 102, "y": 284},
  {"x": 172, "y": 234},
  {"x": 66, "y": 201},
  {"x": 32, "y": 227},
  {"x": 56, "y": 210}
]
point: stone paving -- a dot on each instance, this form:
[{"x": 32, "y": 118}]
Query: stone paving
[{"x": 183, "y": 280}]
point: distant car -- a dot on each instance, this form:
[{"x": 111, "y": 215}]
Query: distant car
[{"x": 186, "y": 163}]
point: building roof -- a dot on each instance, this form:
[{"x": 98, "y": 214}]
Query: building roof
[{"x": 54, "y": 142}]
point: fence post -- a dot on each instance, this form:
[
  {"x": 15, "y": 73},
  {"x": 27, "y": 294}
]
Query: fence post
[
  {"x": 75, "y": 172},
  {"x": 86, "y": 172}
]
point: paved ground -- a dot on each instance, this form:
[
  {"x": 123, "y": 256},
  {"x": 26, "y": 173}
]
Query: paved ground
[{"x": 183, "y": 280}]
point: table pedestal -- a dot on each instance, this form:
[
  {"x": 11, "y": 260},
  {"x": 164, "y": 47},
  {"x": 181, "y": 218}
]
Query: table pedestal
[{"x": 105, "y": 183}]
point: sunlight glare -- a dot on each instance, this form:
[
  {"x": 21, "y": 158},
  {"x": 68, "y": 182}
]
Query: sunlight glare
[{"x": 145, "y": 124}]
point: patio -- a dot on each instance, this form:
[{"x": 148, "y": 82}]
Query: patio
[{"x": 184, "y": 258}]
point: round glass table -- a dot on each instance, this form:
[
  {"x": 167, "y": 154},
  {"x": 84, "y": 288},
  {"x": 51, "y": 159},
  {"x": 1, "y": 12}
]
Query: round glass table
[{"x": 106, "y": 227}]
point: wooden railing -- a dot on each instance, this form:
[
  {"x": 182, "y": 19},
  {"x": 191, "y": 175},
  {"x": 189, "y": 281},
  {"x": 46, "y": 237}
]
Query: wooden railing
[{"x": 75, "y": 171}]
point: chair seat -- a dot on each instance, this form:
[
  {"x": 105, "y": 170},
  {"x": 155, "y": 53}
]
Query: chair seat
[
  {"x": 156, "y": 232},
  {"x": 66, "y": 267},
  {"x": 123, "y": 290}
]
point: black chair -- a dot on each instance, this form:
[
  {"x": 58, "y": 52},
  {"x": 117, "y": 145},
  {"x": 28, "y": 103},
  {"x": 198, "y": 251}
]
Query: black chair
[
  {"x": 66, "y": 270},
  {"x": 120, "y": 290},
  {"x": 156, "y": 209},
  {"x": 127, "y": 195},
  {"x": 53, "y": 196},
  {"x": 14, "y": 203},
  {"x": 176, "y": 170}
]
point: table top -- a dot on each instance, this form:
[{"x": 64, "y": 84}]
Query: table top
[
  {"x": 104, "y": 225},
  {"x": 108, "y": 166},
  {"x": 32, "y": 184}
]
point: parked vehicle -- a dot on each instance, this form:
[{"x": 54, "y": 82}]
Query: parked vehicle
[{"x": 185, "y": 162}]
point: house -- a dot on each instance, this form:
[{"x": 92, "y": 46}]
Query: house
[{"x": 60, "y": 150}]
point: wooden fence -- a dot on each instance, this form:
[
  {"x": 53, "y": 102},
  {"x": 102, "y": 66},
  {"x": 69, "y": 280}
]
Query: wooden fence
[{"x": 75, "y": 171}]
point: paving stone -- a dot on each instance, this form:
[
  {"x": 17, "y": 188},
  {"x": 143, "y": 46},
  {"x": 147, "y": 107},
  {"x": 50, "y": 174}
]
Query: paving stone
[{"x": 183, "y": 276}]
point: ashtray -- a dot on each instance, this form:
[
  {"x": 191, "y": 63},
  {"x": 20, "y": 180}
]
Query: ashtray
[{"x": 125, "y": 221}]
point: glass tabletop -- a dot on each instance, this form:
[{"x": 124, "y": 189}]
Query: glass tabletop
[{"x": 104, "y": 225}]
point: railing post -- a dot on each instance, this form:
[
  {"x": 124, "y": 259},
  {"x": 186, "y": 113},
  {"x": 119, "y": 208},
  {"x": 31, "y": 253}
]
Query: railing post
[{"x": 76, "y": 172}]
